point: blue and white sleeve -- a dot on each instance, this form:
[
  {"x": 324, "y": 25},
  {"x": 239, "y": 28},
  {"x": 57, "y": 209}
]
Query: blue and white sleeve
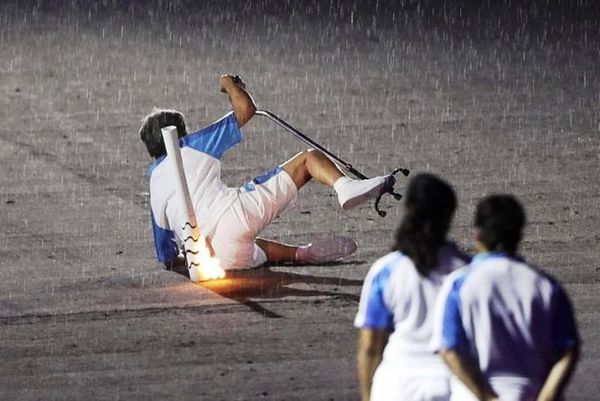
[
  {"x": 448, "y": 330},
  {"x": 373, "y": 313},
  {"x": 164, "y": 243},
  {"x": 435, "y": 344},
  {"x": 215, "y": 139}
]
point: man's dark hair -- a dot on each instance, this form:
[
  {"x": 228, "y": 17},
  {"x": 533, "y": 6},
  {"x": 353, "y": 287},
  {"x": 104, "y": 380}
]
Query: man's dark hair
[
  {"x": 150, "y": 131},
  {"x": 430, "y": 203},
  {"x": 500, "y": 220}
]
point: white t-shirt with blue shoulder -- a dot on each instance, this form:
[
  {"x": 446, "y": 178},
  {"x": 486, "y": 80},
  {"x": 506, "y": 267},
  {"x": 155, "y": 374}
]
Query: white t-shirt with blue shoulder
[
  {"x": 201, "y": 153},
  {"x": 396, "y": 298},
  {"x": 511, "y": 319}
]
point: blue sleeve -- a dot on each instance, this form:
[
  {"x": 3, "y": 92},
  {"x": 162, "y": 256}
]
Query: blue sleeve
[
  {"x": 373, "y": 311},
  {"x": 564, "y": 328},
  {"x": 164, "y": 242},
  {"x": 453, "y": 332},
  {"x": 215, "y": 139}
]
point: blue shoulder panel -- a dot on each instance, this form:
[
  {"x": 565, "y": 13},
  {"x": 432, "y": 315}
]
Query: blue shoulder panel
[
  {"x": 377, "y": 315},
  {"x": 215, "y": 139},
  {"x": 453, "y": 332},
  {"x": 154, "y": 165},
  {"x": 164, "y": 242}
]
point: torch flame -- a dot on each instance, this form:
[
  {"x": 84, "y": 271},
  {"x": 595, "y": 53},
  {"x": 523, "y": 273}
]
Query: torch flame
[{"x": 202, "y": 264}]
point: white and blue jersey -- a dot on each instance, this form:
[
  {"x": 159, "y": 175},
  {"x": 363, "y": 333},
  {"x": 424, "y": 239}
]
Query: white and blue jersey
[
  {"x": 396, "y": 298},
  {"x": 512, "y": 320},
  {"x": 201, "y": 153}
]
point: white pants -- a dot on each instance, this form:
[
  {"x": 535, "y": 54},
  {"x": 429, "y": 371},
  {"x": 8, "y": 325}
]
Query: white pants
[
  {"x": 258, "y": 203},
  {"x": 401, "y": 383}
]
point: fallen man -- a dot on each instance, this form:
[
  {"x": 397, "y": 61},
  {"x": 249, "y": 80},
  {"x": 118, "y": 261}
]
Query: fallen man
[{"x": 232, "y": 218}]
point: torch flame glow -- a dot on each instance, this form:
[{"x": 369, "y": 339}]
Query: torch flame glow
[
  {"x": 207, "y": 265},
  {"x": 201, "y": 263}
]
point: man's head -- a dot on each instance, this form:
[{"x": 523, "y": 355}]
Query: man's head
[
  {"x": 499, "y": 220},
  {"x": 150, "y": 131}
]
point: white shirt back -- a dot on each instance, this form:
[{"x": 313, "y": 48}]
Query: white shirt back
[
  {"x": 395, "y": 297},
  {"x": 511, "y": 319},
  {"x": 201, "y": 153}
]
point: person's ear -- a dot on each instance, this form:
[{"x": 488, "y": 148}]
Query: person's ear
[{"x": 479, "y": 246}]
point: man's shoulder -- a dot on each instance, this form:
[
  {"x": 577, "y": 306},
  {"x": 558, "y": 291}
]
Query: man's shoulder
[
  {"x": 215, "y": 139},
  {"x": 454, "y": 281},
  {"x": 465, "y": 279},
  {"x": 227, "y": 121},
  {"x": 495, "y": 263},
  {"x": 486, "y": 277}
]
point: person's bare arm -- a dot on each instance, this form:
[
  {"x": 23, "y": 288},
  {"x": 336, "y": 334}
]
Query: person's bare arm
[
  {"x": 559, "y": 376},
  {"x": 370, "y": 351},
  {"x": 469, "y": 374},
  {"x": 242, "y": 103}
]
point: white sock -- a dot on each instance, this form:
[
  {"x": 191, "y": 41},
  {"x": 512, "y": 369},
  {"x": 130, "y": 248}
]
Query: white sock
[{"x": 340, "y": 182}]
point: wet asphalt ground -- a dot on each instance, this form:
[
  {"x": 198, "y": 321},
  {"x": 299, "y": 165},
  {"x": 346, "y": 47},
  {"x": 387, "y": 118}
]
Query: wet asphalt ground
[{"x": 493, "y": 98}]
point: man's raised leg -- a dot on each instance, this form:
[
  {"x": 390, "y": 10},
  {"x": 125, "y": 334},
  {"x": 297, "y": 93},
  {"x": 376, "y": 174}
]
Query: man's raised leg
[{"x": 314, "y": 164}]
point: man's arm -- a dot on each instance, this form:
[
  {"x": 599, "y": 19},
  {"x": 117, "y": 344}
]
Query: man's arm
[
  {"x": 469, "y": 374},
  {"x": 559, "y": 376},
  {"x": 371, "y": 343},
  {"x": 242, "y": 103}
]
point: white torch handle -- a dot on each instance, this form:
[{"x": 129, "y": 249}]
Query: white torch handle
[
  {"x": 191, "y": 233},
  {"x": 174, "y": 152}
]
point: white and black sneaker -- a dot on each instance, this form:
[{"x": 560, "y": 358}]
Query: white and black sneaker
[{"x": 352, "y": 193}]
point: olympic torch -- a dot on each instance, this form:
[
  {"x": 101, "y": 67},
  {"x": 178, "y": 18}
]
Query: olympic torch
[{"x": 202, "y": 266}]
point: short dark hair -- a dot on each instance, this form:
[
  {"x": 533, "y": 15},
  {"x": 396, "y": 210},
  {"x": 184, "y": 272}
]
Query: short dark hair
[
  {"x": 500, "y": 220},
  {"x": 430, "y": 203},
  {"x": 150, "y": 131}
]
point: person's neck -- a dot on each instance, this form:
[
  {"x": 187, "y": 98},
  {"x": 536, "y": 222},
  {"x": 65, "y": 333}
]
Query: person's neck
[{"x": 480, "y": 247}]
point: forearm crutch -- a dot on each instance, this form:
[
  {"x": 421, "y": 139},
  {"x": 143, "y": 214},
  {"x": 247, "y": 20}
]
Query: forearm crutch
[{"x": 389, "y": 187}]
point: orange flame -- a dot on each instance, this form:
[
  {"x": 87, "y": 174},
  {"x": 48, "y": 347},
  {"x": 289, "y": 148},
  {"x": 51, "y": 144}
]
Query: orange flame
[{"x": 202, "y": 264}]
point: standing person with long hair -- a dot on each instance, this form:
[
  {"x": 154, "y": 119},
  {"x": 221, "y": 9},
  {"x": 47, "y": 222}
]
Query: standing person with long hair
[{"x": 398, "y": 297}]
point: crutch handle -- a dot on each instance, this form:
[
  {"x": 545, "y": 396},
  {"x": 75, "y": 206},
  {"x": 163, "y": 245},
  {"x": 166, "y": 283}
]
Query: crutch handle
[{"x": 389, "y": 189}]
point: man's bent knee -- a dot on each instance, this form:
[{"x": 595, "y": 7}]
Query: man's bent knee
[{"x": 297, "y": 168}]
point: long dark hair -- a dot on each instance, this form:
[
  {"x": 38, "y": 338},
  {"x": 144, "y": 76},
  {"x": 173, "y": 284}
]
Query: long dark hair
[{"x": 429, "y": 206}]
